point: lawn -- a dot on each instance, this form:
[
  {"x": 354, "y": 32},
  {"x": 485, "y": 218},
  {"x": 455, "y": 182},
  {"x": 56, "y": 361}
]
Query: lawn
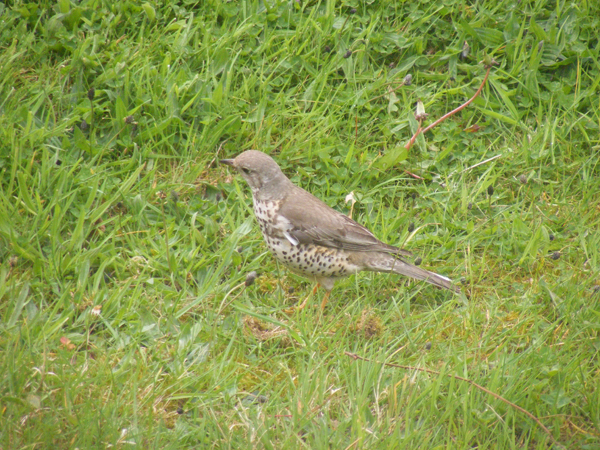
[{"x": 129, "y": 314}]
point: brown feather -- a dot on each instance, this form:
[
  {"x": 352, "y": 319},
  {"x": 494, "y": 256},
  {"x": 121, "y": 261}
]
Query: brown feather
[{"x": 323, "y": 225}]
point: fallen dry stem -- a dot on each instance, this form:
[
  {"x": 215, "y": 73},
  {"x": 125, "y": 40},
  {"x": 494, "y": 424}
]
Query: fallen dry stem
[
  {"x": 445, "y": 116},
  {"x": 412, "y": 139}
]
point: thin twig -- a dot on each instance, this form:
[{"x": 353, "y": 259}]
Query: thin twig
[
  {"x": 454, "y": 111},
  {"x": 472, "y": 383},
  {"x": 414, "y": 138},
  {"x": 413, "y": 175}
]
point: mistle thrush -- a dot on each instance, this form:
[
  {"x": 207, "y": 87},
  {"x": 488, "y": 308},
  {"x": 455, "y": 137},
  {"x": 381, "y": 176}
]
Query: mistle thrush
[{"x": 312, "y": 239}]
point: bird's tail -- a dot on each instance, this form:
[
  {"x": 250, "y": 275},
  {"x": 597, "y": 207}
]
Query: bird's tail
[{"x": 393, "y": 264}]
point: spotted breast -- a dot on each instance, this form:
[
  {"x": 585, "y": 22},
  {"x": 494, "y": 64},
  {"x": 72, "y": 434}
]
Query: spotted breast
[{"x": 308, "y": 260}]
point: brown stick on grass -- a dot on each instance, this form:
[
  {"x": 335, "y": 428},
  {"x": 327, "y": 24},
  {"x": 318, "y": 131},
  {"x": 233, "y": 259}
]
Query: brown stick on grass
[{"x": 488, "y": 64}]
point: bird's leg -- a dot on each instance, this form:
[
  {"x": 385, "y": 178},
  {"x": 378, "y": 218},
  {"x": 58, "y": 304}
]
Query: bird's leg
[
  {"x": 303, "y": 304},
  {"x": 325, "y": 299}
]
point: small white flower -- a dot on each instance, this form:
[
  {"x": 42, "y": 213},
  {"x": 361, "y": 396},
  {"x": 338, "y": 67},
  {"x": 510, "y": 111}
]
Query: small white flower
[{"x": 350, "y": 198}]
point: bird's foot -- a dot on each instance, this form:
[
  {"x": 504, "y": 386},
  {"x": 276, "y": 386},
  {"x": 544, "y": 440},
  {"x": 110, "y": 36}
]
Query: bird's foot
[
  {"x": 302, "y": 305},
  {"x": 299, "y": 307}
]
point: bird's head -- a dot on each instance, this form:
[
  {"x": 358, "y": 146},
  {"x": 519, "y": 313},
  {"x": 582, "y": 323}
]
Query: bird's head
[{"x": 260, "y": 171}]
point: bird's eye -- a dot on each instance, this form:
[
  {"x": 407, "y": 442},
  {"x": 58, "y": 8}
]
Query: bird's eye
[{"x": 245, "y": 170}]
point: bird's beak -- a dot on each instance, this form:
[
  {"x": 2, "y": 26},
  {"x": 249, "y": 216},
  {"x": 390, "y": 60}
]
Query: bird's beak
[{"x": 229, "y": 162}]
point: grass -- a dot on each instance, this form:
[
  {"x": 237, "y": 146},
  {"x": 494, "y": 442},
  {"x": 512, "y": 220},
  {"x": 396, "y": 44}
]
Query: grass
[{"x": 124, "y": 246}]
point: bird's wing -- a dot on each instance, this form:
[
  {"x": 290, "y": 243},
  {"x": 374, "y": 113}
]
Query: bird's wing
[{"x": 310, "y": 221}]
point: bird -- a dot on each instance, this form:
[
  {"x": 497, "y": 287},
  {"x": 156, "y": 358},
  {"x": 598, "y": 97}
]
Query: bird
[{"x": 312, "y": 239}]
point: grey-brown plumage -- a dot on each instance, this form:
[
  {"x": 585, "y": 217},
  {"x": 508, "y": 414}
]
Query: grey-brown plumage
[{"x": 312, "y": 239}]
